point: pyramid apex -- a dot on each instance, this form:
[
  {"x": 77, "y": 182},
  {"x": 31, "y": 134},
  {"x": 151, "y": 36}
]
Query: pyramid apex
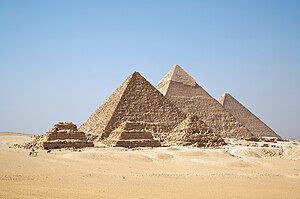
[
  {"x": 177, "y": 74},
  {"x": 176, "y": 66},
  {"x": 222, "y": 98},
  {"x": 225, "y": 94},
  {"x": 136, "y": 73}
]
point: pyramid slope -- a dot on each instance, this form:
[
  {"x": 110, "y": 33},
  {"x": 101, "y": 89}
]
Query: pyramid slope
[
  {"x": 243, "y": 115},
  {"x": 194, "y": 100},
  {"x": 137, "y": 101},
  {"x": 193, "y": 131},
  {"x": 97, "y": 122}
]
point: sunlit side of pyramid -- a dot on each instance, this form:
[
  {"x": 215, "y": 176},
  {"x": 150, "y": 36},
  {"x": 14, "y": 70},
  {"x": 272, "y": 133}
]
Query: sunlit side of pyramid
[
  {"x": 243, "y": 115},
  {"x": 138, "y": 101},
  {"x": 192, "y": 99}
]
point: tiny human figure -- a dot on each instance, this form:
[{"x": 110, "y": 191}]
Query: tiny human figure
[{"x": 33, "y": 152}]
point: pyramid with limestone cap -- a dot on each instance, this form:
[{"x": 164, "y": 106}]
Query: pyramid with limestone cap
[
  {"x": 135, "y": 100},
  {"x": 243, "y": 115},
  {"x": 183, "y": 91}
]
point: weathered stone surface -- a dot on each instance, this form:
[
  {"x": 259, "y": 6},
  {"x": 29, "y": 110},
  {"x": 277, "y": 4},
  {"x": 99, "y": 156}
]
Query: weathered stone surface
[
  {"x": 193, "y": 131},
  {"x": 137, "y": 143},
  {"x": 58, "y": 144},
  {"x": 65, "y": 135},
  {"x": 65, "y": 130},
  {"x": 135, "y": 100},
  {"x": 183, "y": 91},
  {"x": 62, "y": 135},
  {"x": 64, "y": 126},
  {"x": 244, "y": 116},
  {"x": 132, "y": 134}
]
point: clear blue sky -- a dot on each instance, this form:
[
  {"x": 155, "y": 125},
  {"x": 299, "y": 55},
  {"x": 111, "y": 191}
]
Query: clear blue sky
[{"x": 59, "y": 60}]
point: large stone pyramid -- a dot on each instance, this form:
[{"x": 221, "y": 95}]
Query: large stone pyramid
[
  {"x": 192, "y": 99},
  {"x": 135, "y": 100},
  {"x": 243, "y": 115}
]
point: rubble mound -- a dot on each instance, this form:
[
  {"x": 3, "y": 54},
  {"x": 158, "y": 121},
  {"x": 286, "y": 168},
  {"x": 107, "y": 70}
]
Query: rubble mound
[
  {"x": 132, "y": 134},
  {"x": 193, "y": 131}
]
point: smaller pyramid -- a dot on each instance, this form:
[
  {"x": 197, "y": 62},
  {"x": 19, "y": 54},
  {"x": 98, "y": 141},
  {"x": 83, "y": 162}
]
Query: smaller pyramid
[
  {"x": 132, "y": 134},
  {"x": 193, "y": 131},
  {"x": 248, "y": 119},
  {"x": 65, "y": 135},
  {"x": 62, "y": 135}
]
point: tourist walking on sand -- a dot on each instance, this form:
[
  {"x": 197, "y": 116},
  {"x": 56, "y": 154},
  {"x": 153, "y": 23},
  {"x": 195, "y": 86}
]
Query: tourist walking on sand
[{"x": 33, "y": 152}]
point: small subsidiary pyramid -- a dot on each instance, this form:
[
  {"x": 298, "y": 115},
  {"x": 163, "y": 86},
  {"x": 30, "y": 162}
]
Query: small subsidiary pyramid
[
  {"x": 184, "y": 92},
  {"x": 193, "y": 131},
  {"x": 243, "y": 115},
  {"x": 135, "y": 100},
  {"x": 132, "y": 134}
]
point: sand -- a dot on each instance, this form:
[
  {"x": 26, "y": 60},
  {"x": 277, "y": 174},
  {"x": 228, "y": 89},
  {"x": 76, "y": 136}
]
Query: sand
[{"x": 166, "y": 172}]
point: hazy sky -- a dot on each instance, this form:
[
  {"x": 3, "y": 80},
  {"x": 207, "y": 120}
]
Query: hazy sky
[{"x": 59, "y": 60}]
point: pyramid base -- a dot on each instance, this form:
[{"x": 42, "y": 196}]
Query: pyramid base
[
  {"x": 137, "y": 143},
  {"x": 66, "y": 144}
]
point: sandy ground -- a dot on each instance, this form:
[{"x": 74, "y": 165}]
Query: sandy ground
[{"x": 168, "y": 172}]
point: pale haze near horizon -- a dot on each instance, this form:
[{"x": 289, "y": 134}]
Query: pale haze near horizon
[{"x": 59, "y": 60}]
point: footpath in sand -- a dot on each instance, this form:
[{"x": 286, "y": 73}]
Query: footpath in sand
[{"x": 165, "y": 172}]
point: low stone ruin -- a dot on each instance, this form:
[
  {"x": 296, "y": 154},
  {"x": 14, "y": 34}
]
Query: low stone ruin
[
  {"x": 62, "y": 135},
  {"x": 193, "y": 131},
  {"x": 131, "y": 134},
  {"x": 65, "y": 135},
  {"x": 270, "y": 139}
]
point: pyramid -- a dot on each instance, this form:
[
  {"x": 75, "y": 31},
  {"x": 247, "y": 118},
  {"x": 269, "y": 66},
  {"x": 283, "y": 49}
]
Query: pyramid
[
  {"x": 62, "y": 135},
  {"x": 243, "y": 115},
  {"x": 184, "y": 92},
  {"x": 132, "y": 134},
  {"x": 193, "y": 131},
  {"x": 65, "y": 135},
  {"x": 135, "y": 100}
]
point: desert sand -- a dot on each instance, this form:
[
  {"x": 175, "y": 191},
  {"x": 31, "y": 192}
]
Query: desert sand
[{"x": 164, "y": 172}]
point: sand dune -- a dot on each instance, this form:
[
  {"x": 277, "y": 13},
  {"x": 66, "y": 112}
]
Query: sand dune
[{"x": 166, "y": 172}]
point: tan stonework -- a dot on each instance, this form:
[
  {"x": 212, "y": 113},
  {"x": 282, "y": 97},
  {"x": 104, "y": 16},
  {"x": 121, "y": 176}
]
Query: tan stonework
[
  {"x": 243, "y": 115},
  {"x": 65, "y": 135},
  {"x": 132, "y": 134},
  {"x": 183, "y": 91},
  {"x": 135, "y": 100},
  {"x": 193, "y": 131},
  {"x": 62, "y": 135}
]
